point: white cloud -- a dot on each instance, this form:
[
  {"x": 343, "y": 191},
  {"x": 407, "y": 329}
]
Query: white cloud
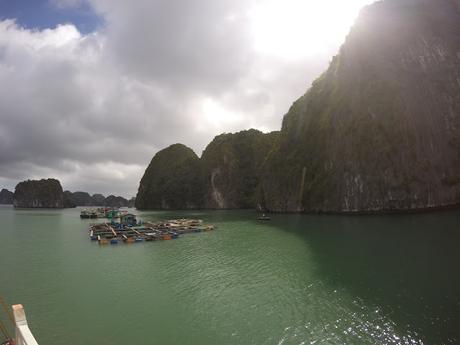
[{"x": 93, "y": 109}]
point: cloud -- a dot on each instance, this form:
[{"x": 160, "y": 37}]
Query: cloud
[
  {"x": 186, "y": 45},
  {"x": 92, "y": 109}
]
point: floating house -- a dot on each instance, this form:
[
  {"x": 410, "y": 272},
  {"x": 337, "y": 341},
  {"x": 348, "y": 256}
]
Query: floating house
[
  {"x": 128, "y": 219},
  {"x": 113, "y": 213}
]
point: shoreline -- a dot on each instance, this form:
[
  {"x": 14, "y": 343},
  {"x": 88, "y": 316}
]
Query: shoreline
[
  {"x": 331, "y": 213},
  {"x": 385, "y": 212}
]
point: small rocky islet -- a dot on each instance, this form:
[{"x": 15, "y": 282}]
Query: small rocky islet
[{"x": 45, "y": 193}]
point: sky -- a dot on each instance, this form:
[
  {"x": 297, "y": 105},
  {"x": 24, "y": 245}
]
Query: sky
[{"x": 92, "y": 89}]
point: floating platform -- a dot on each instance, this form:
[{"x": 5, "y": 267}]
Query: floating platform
[{"x": 115, "y": 233}]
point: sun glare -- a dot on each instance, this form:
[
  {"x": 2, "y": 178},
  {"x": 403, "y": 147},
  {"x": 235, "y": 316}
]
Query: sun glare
[
  {"x": 298, "y": 28},
  {"x": 217, "y": 116}
]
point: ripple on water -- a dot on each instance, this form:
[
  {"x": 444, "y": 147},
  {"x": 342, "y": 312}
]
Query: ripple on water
[{"x": 245, "y": 283}]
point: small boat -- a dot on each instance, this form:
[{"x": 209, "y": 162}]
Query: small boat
[
  {"x": 87, "y": 214},
  {"x": 102, "y": 240},
  {"x": 264, "y": 217},
  {"x": 92, "y": 236},
  {"x": 127, "y": 239},
  {"x": 84, "y": 214}
]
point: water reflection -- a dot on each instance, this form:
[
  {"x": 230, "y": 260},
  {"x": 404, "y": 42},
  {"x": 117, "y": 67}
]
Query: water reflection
[{"x": 404, "y": 267}]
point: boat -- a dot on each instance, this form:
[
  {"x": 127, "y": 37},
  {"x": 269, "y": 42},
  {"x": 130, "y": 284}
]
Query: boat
[
  {"x": 86, "y": 214},
  {"x": 264, "y": 217},
  {"x": 102, "y": 240}
]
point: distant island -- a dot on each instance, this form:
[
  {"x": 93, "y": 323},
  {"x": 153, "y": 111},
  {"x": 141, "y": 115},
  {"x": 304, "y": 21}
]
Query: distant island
[
  {"x": 379, "y": 131},
  {"x": 85, "y": 199},
  {"x": 48, "y": 193},
  {"x": 6, "y": 197}
]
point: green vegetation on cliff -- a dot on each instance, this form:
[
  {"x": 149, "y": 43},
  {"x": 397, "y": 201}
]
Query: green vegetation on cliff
[
  {"x": 226, "y": 176},
  {"x": 46, "y": 193},
  {"x": 376, "y": 131},
  {"x": 173, "y": 180},
  {"x": 231, "y": 167}
]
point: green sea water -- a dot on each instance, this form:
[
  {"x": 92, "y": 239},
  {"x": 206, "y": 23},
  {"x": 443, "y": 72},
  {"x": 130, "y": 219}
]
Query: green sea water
[{"x": 297, "y": 279}]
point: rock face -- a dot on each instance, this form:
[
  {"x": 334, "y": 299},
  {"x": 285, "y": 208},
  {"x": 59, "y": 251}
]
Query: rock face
[
  {"x": 115, "y": 201},
  {"x": 39, "y": 194},
  {"x": 6, "y": 197},
  {"x": 232, "y": 168},
  {"x": 380, "y": 129},
  {"x": 68, "y": 200},
  {"x": 226, "y": 176},
  {"x": 132, "y": 202},
  {"x": 173, "y": 180},
  {"x": 98, "y": 200},
  {"x": 82, "y": 199}
]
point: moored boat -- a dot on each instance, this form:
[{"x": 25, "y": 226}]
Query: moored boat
[
  {"x": 86, "y": 214},
  {"x": 264, "y": 217},
  {"x": 102, "y": 240}
]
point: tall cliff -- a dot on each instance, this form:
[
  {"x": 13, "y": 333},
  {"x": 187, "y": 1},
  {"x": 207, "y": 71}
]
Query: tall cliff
[
  {"x": 232, "y": 168},
  {"x": 380, "y": 129},
  {"x": 39, "y": 194},
  {"x": 172, "y": 180}
]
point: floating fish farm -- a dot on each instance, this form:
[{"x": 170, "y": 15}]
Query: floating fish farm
[{"x": 129, "y": 231}]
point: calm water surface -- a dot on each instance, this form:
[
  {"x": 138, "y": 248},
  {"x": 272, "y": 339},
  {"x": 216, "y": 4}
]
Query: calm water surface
[{"x": 294, "y": 280}]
